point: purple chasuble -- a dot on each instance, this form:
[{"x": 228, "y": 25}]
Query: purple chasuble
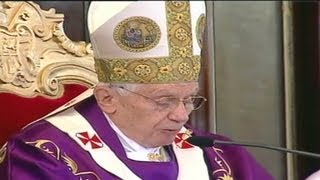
[
  {"x": 144, "y": 169},
  {"x": 42, "y": 151}
]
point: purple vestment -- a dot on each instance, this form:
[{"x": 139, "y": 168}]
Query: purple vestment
[{"x": 42, "y": 151}]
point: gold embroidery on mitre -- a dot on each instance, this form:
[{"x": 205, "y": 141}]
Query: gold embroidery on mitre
[
  {"x": 137, "y": 34},
  {"x": 179, "y": 28},
  {"x": 3, "y": 152},
  {"x": 201, "y": 22},
  {"x": 181, "y": 65},
  {"x": 153, "y": 70}
]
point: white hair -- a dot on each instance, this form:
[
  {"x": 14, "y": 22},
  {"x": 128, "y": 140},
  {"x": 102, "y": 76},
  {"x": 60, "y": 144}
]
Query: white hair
[{"x": 122, "y": 92}]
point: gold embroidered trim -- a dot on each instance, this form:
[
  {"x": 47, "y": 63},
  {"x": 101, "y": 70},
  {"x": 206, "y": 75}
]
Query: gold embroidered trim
[
  {"x": 180, "y": 66},
  {"x": 179, "y": 28},
  {"x": 52, "y": 149},
  {"x": 137, "y": 34},
  {"x": 3, "y": 152},
  {"x": 153, "y": 70},
  {"x": 155, "y": 157},
  {"x": 225, "y": 169},
  {"x": 162, "y": 156}
]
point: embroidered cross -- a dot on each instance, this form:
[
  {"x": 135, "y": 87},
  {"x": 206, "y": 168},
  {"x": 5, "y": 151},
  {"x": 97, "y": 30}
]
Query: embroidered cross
[
  {"x": 94, "y": 140},
  {"x": 180, "y": 140}
]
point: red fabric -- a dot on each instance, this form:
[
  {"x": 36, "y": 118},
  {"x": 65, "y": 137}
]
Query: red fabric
[{"x": 16, "y": 112}]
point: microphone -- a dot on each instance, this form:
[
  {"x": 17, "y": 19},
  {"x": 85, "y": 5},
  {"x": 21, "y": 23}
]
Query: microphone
[{"x": 204, "y": 141}]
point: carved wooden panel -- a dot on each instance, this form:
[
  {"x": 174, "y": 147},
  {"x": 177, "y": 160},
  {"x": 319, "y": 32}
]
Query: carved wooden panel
[
  {"x": 74, "y": 17},
  {"x": 36, "y": 56}
]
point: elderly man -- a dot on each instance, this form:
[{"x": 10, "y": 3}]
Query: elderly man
[{"x": 133, "y": 126}]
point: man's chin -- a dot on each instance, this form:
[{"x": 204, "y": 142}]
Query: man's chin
[
  {"x": 164, "y": 138},
  {"x": 163, "y": 143},
  {"x": 168, "y": 141}
]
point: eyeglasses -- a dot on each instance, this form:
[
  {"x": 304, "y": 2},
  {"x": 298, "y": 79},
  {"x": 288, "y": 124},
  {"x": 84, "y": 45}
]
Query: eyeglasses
[{"x": 191, "y": 103}]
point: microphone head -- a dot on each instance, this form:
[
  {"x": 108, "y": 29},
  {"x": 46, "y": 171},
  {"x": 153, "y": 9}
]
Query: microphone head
[{"x": 200, "y": 141}]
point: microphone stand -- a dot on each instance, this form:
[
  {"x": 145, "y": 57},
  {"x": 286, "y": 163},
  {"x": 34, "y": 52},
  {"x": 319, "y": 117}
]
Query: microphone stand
[{"x": 267, "y": 147}]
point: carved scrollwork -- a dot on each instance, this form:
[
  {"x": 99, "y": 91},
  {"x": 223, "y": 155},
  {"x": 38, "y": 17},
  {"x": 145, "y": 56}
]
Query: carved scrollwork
[
  {"x": 77, "y": 48},
  {"x": 51, "y": 75},
  {"x": 36, "y": 56}
]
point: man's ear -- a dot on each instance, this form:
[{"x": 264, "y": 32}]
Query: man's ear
[{"x": 105, "y": 98}]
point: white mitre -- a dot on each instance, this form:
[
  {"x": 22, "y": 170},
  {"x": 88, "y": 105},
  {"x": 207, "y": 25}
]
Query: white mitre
[{"x": 147, "y": 41}]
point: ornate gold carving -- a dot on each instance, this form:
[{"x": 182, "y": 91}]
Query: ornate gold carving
[
  {"x": 52, "y": 149},
  {"x": 3, "y": 152},
  {"x": 137, "y": 34},
  {"x": 36, "y": 57}
]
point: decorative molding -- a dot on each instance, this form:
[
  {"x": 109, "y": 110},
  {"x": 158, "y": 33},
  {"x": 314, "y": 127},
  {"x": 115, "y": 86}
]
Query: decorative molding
[
  {"x": 36, "y": 56},
  {"x": 289, "y": 85},
  {"x": 211, "y": 79}
]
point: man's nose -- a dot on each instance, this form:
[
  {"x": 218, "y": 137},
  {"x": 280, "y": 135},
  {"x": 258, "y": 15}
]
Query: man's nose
[{"x": 179, "y": 113}]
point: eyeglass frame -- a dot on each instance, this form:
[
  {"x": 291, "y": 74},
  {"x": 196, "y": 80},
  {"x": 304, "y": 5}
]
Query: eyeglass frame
[{"x": 177, "y": 100}]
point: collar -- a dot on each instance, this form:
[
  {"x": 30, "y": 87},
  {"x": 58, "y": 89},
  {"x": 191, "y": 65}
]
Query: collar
[{"x": 133, "y": 150}]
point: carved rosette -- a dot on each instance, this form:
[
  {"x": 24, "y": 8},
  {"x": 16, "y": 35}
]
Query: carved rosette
[{"x": 36, "y": 57}]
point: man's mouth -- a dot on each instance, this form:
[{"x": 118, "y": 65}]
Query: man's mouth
[{"x": 172, "y": 130}]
